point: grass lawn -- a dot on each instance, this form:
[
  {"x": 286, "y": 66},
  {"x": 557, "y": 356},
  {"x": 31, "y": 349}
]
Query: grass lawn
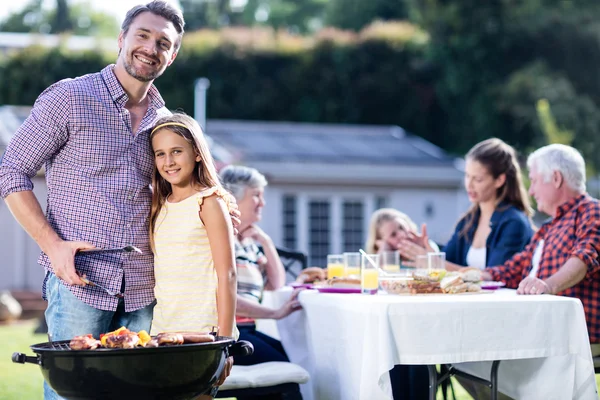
[
  {"x": 24, "y": 381},
  {"x": 19, "y": 381}
]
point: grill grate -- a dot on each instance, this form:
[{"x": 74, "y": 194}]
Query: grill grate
[
  {"x": 60, "y": 346},
  {"x": 64, "y": 345}
]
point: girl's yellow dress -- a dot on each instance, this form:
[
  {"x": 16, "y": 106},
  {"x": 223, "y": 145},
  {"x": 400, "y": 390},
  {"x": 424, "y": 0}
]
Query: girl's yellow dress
[{"x": 186, "y": 281}]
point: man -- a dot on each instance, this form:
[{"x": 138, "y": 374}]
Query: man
[
  {"x": 562, "y": 257},
  {"x": 92, "y": 135}
]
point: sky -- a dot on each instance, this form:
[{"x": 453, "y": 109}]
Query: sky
[{"x": 118, "y": 8}]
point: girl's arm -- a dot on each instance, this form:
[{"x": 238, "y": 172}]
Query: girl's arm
[
  {"x": 217, "y": 221},
  {"x": 273, "y": 268}
]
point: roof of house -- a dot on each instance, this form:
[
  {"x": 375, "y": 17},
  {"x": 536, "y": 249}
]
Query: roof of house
[
  {"x": 325, "y": 143},
  {"x": 307, "y": 153}
]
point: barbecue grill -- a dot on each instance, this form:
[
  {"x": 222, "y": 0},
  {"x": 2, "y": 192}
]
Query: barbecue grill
[{"x": 166, "y": 372}]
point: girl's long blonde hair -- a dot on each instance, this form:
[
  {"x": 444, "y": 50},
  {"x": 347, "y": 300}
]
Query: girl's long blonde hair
[
  {"x": 205, "y": 172},
  {"x": 384, "y": 215}
]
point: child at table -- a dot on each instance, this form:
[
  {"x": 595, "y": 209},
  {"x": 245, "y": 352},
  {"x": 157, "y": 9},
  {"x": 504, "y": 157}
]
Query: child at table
[{"x": 191, "y": 235}]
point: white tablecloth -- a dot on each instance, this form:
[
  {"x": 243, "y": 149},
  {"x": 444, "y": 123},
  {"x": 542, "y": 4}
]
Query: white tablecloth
[{"x": 349, "y": 342}]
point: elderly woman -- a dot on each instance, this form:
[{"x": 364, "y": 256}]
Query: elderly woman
[{"x": 258, "y": 268}]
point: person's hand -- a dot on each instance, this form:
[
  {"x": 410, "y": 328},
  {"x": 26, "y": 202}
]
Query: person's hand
[
  {"x": 254, "y": 232},
  {"x": 531, "y": 285},
  {"x": 290, "y": 306},
  {"x": 382, "y": 245},
  {"x": 226, "y": 371},
  {"x": 234, "y": 213},
  {"x": 62, "y": 259},
  {"x": 421, "y": 239},
  {"x": 409, "y": 251}
]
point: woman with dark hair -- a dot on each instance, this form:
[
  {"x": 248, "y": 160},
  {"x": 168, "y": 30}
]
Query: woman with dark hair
[{"x": 498, "y": 223}]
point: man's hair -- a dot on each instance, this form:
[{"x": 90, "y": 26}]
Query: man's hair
[
  {"x": 564, "y": 159},
  {"x": 162, "y": 9}
]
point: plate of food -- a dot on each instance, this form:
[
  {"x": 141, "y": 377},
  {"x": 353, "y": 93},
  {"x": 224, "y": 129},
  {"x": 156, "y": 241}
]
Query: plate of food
[
  {"x": 492, "y": 285},
  {"x": 309, "y": 277},
  {"x": 324, "y": 289},
  {"x": 339, "y": 285},
  {"x": 298, "y": 285}
]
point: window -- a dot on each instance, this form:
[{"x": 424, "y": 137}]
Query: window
[
  {"x": 318, "y": 238},
  {"x": 290, "y": 239},
  {"x": 380, "y": 202},
  {"x": 352, "y": 227}
]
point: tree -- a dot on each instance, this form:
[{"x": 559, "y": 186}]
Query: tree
[
  {"x": 80, "y": 19},
  {"x": 356, "y": 14},
  {"x": 61, "y": 21},
  {"x": 497, "y": 58}
]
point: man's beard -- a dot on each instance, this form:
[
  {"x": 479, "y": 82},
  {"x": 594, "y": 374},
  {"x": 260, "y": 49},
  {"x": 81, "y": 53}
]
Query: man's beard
[{"x": 137, "y": 75}]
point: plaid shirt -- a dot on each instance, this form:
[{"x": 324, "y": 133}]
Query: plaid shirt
[
  {"x": 574, "y": 232},
  {"x": 98, "y": 174}
]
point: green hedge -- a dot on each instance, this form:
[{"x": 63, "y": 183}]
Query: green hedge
[{"x": 378, "y": 76}]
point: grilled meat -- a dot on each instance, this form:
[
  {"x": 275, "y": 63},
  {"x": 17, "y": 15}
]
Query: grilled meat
[{"x": 84, "y": 342}]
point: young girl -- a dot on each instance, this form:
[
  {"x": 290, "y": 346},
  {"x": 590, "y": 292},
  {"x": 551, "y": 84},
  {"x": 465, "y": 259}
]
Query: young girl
[
  {"x": 191, "y": 235},
  {"x": 388, "y": 228}
]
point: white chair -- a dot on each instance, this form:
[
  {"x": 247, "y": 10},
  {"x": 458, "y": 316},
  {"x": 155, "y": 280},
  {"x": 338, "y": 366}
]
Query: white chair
[{"x": 265, "y": 379}]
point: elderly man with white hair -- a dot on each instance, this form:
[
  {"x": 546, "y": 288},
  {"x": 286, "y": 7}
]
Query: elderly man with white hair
[{"x": 562, "y": 257}]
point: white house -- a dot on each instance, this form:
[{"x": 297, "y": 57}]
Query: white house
[
  {"x": 325, "y": 180},
  {"x": 324, "y": 183}
]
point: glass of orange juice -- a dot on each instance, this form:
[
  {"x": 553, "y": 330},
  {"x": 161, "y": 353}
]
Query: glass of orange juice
[
  {"x": 390, "y": 261},
  {"x": 352, "y": 265},
  {"x": 335, "y": 266},
  {"x": 369, "y": 273}
]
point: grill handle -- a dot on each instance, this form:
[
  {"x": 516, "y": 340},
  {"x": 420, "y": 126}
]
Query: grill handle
[
  {"x": 240, "y": 348},
  {"x": 21, "y": 358}
]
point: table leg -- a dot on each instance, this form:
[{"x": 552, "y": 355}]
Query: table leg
[
  {"x": 494, "y": 379},
  {"x": 433, "y": 381}
]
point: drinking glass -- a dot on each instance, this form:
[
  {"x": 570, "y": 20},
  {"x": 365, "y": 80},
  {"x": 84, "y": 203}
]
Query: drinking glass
[
  {"x": 335, "y": 266},
  {"x": 390, "y": 261},
  {"x": 422, "y": 262},
  {"x": 436, "y": 261},
  {"x": 369, "y": 273},
  {"x": 352, "y": 265}
]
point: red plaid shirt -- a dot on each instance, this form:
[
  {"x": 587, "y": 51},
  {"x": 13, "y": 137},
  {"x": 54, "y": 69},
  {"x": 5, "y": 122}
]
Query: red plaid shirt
[{"x": 574, "y": 232}]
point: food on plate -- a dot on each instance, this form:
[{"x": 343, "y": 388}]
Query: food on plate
[
  {"x": 437, "y": 274},
  {"x": 84, "y": 342},
  {"x": 312, "y": 275},
  {"x": 470, "y": 274},
  {"x": 424, "y": 284},
  {"x": 396, "y": 285},
  {"x": 341, "y": 283},
  {"x": 423, "y": 275},
  {"x": 473, "y": 287},
  {"x": 453, "y": 284}
]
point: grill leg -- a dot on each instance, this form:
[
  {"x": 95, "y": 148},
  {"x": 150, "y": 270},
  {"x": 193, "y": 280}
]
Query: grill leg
[{"x": 432, "y": 381}]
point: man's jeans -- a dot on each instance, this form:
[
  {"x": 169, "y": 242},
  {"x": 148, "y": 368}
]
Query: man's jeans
[{"x": 67, "y": 316}]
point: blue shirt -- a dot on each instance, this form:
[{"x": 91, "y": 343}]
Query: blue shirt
[{"x": 511, "y": 232}]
